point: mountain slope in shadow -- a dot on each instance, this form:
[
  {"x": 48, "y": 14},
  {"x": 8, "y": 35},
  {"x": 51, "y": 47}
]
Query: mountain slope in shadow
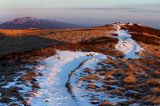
[{"x": 29, "y": 22}]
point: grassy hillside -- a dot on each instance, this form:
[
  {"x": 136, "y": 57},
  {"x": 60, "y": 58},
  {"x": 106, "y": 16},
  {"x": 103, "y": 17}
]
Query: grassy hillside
[
  {"x": 29, "y": 39},
  {"x": 12, "y": 41}
]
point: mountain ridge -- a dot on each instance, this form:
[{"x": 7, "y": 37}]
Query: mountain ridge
[{"x": 29, "y": 22}]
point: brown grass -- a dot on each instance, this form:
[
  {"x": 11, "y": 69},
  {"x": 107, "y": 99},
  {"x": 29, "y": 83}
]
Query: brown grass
[
  {"x": 153, "y": 81},
  {"x": 146, "y": 39},
  {"x": 18, "y": 33},
  {"x": 24, "y": 40},
  {"x": 91, "y": 86},
  {"x": 90, "y": 77},
  {"x": 156, "y": 90},
  {"x": 109, "y": 74},
  {"x": 155, "y": 100},
  {"x": 130, "y": 79}
]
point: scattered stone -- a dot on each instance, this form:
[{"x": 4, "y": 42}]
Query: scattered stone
[
  {"x": 94, "y": 101},
  {"x": 35, "y": 85},
  {"x": 132, "y": 93}
]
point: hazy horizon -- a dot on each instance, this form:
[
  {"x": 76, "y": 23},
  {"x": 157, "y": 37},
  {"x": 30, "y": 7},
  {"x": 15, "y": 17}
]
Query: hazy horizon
[{"x": 84, "y": 12}]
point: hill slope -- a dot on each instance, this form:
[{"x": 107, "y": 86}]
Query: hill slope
[
  {"x": 11, "y": 39},
  {"x": 112, "y": 65},
  {"x": 29, "y": 22}
]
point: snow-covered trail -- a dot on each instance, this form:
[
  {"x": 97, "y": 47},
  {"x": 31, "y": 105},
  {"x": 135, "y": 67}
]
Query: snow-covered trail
[
  {"x": 56, "y": 70},
  {"x": 126, "y": 44}
]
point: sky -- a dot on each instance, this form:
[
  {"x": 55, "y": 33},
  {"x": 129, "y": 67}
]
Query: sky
[
  {"x": 18, "y": 4},
  {"x": 84, "y": 11}
]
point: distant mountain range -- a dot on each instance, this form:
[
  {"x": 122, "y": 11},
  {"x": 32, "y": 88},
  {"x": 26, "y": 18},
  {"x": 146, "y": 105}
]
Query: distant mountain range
[{"x": 29, "y": 22}]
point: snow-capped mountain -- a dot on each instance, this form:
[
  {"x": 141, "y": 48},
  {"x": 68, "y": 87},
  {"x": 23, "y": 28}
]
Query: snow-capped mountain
[{"x": 29, "y": 22}]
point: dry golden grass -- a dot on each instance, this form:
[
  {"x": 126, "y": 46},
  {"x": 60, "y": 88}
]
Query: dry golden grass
[
  {"x": 64, "y": 35},
  {"x": 109, "y": 62},
  {"x": 109, "y": 74},
  {"x": 156, "y": 100},
  {"x": 91, "y": 86},
  {"x": 132, "y": 68},
  {"x": 153, "y": 81},
  {"x": 156, "y": 90},
  {"x": 30, "y": 39},
  {"x": 130, "y": 79},
  {"x": 90, "y": 77},
  {"x": 17, "y": 33}
]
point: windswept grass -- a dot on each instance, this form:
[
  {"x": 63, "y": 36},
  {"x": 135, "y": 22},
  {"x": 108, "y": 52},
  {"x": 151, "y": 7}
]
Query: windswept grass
[{"x": 17, "y": 33}]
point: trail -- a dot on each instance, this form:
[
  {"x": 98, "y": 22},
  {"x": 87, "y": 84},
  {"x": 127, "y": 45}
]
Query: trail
[
  {"x": 56, "y": 70},
  {"x": 126, "y": 44}
]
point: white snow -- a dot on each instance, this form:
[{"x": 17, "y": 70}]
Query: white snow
[
  {"x": 16, "y": 83},
  {"x": 57, "y": 68},
  {"x": 130, "y": 24},
  {"x": 79, "y": 88},
  {"x": 126, "y": 44},
  {"x": 10, "y": 84}
]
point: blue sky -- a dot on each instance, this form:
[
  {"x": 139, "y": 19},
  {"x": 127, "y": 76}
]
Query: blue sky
[{"x": 18, "y": 4}]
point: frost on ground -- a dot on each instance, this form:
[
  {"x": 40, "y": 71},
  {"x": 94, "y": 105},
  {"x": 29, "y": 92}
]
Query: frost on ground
[
  {"x": 80, "y": 88},
  {"x": 126, "y": 44},
  {"x": 56, "y": 70}
]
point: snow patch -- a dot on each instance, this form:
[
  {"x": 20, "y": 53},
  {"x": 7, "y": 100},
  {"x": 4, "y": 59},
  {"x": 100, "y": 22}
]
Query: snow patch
[
  {"x": 126, "y": 44},
  {"x": 57, "y": 68},
  {"x": 79, "y": 87},
  {"x": 130, "y": 24}
]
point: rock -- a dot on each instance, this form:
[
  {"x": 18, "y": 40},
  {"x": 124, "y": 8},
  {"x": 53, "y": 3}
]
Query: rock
[
  {"x": 35, "y": 85},
  {"x": 3, "y": 83},
  {"x": 94, "y": 101},
  {"x": 132, "y": 93},
  {"x": 46, "y": 100},
  {"x": 114, "y": 34}
]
